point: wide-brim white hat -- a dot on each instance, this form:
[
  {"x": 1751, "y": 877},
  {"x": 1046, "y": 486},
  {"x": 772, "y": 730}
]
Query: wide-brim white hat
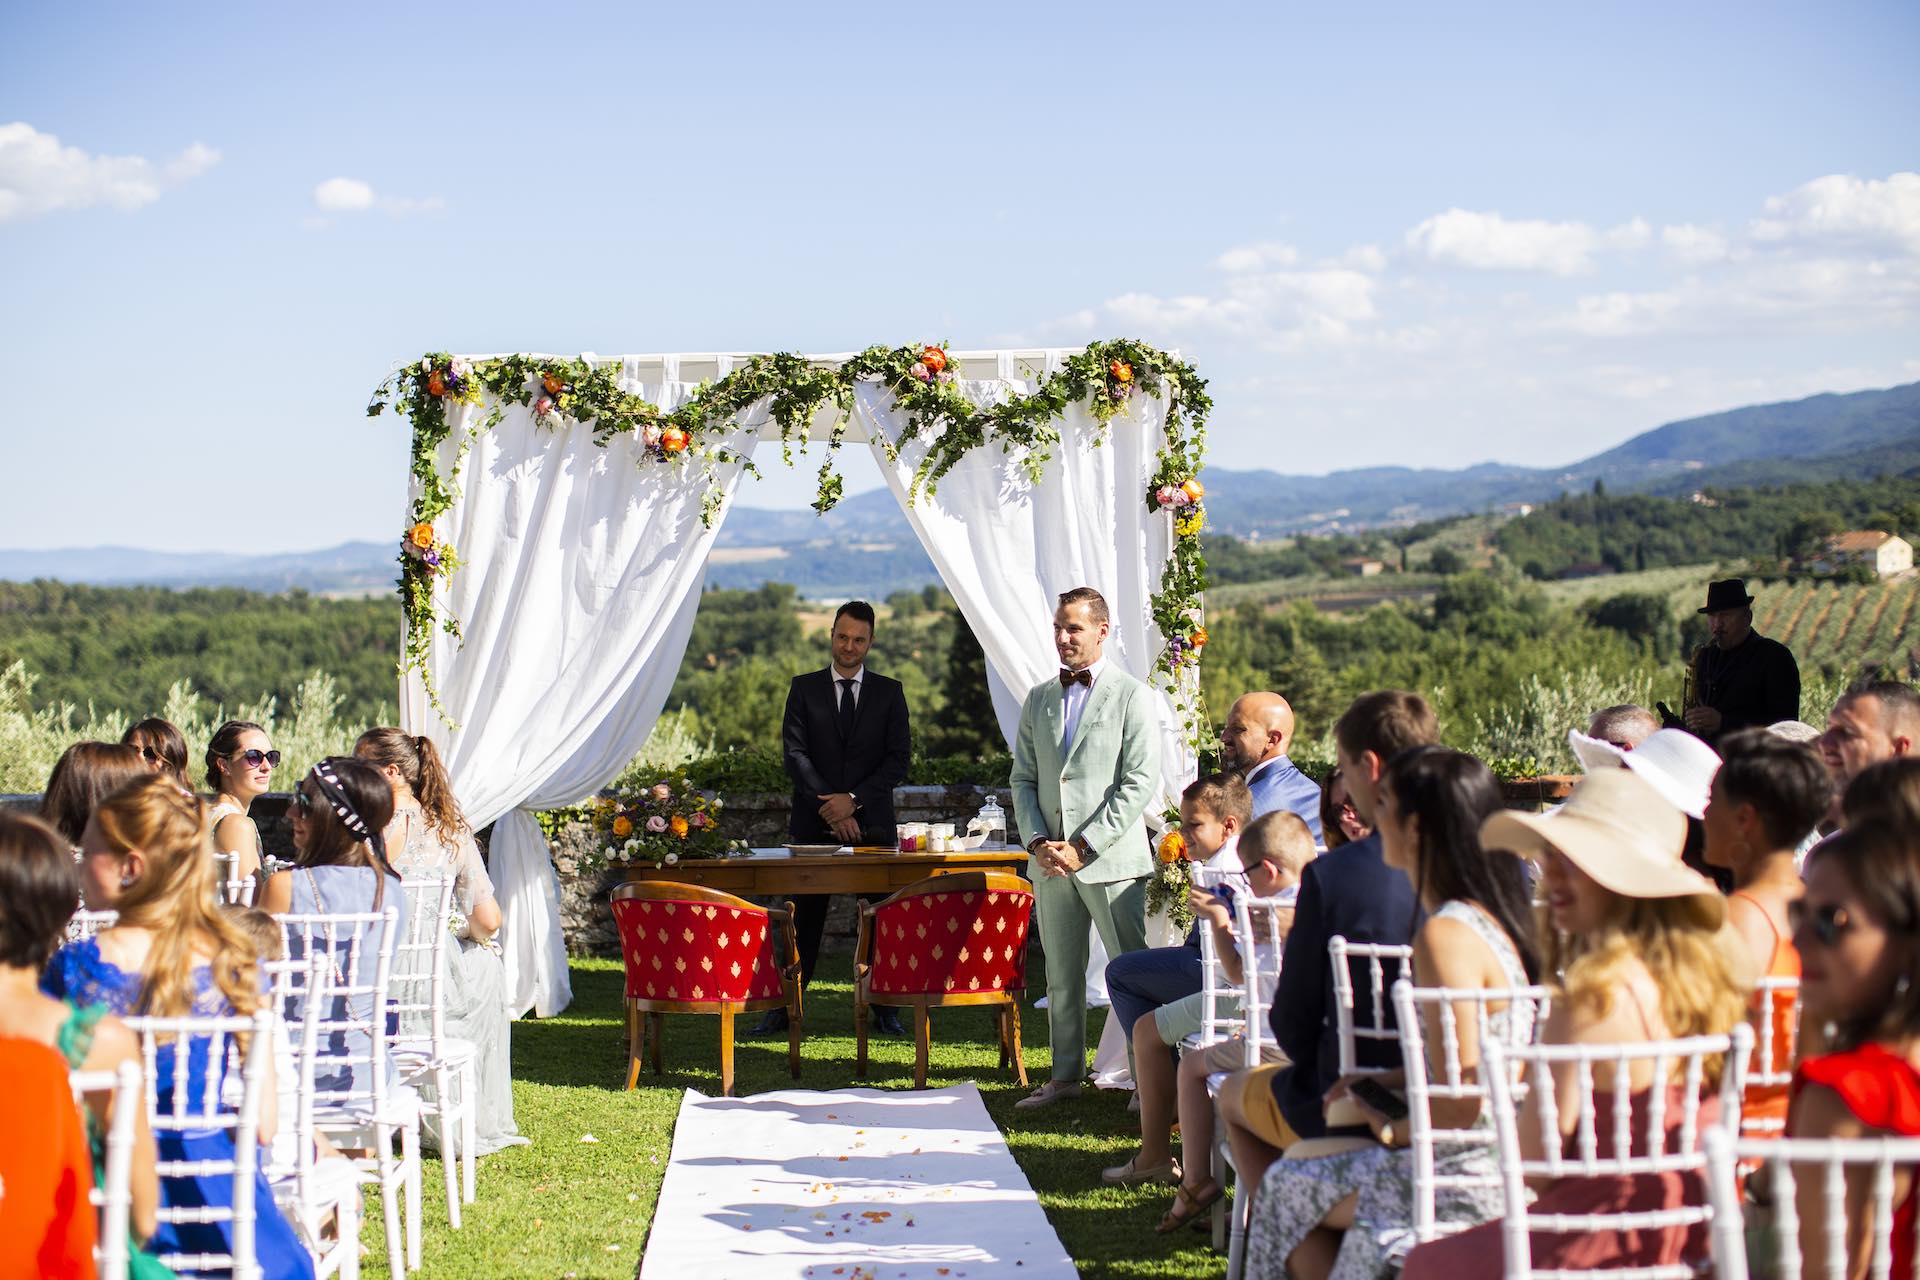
[
  {"x": 1678, "y": 765},
  {"x": 1618, "y": 828}
]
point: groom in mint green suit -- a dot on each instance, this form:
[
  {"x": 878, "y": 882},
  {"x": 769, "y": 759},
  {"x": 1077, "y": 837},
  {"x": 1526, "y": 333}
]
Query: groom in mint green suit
[{"x": 1085, "y": 766}]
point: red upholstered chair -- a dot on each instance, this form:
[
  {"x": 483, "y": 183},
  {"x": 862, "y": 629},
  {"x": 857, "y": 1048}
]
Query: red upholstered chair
[
  {"x": 947, "y": 940},
  {"x": 694, "y": 950}
]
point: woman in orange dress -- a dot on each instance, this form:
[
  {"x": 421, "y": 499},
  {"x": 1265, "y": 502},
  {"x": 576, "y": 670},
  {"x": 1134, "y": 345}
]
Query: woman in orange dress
[
  {"x": 1766, "y": 797},
  {"x": 46, "y": 1169}
]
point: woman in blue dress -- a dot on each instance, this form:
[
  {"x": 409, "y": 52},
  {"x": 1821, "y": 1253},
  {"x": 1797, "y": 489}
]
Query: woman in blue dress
[
  {"x": 173, "y": 953},
  {"x": 339, "y": 814}
]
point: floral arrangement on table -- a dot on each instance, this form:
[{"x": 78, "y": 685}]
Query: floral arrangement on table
[
  {"x": 924, "y": 382},
  {"x": 668, "y": 822},
  {"x": 1172, "y": 877}
]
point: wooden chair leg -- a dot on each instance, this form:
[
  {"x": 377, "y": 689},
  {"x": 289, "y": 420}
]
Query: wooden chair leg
[
  {"x": 1013, "y": 1028},
  {"x": 1000, "y": 1033},
  {"x": 656, "y": 1032},
  {"x": 794, "y": 1032},
  {"x": 922, "y": 1034},
  {"x": 726, "y": 1051},
  {"x": 636, "y": 1043},
  {"x": 861, "y": 1013}
]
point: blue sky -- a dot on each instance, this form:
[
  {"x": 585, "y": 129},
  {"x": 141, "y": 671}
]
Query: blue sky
[{"x": 1389, "y": 234}]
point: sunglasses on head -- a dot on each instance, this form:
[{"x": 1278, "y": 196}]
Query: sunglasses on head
[
  {"x": 256, "y": 757},
  {"x": 1827, "y": 923},
  {"x": 302, "y": 800}
]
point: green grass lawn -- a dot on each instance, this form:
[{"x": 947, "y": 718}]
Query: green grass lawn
[{"x": 568, "y": 1207}]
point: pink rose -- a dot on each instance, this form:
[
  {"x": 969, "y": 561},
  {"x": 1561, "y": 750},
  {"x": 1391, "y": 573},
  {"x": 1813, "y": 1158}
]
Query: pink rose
[
  {"x": 656, "y": 824},
  {"x": 662, "y": 792},
  {"x": 698, "y": 819},
  {"x": 543, "y": 406},
  {"x": 920, "y": 371},
  {"x": 1168, "y": 495},
  {"x": 650, "y": 436}
]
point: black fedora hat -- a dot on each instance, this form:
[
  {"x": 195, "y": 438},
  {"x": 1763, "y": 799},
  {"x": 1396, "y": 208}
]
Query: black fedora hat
[{"x": 1728, "y": 593}]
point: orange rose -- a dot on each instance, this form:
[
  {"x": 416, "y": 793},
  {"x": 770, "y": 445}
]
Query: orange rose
[
  {"x": 1172, "y": 847},
  {"x": 436, "y": 385},
  {"x": 934, "y": 358},
  {"x": 553, "y": 385},
  {"x": 1194, "y": 490},
  {"x": 673, "y": 440},
  {"x": 421, "y": 536},
  {"x": 1121, "y": 371},
  {"x": 678, "y": 825},
  {"x": 623, "y": 826},
  {"x": 1199, "y": 638}
]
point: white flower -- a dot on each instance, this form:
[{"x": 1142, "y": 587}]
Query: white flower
[
  {"x": 670, "y": 859},
  {"x": 633, "y": 846},
  {"x": 426, "y": 365},
  {"x": 460, "y": 367}
]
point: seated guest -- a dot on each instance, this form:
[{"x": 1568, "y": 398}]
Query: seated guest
[
  {"x": 47, "y": 1224},
  {"x": 173, "y": 953},
  {"x": 1623, "y": 727},
  {"x": 1352, "y": 1211},
  {"x": 1768, "y": 794},
  {"x": 1273, "y": 850},
  {"x": 1156, "y": 991},
  {"x": 1638, "y": 941},
  {"x": 339, "y": 814},
  {"x": 161, "y": 745},
  {"x": 1858, "y": 930},
  {"x": 428, "y": 838},
  {"x": 1350, "y": 892},
  {"x": 1890, "y": 789},
  {"x": 86, "y": 774},
  {"x": 1875, "y": 722},
  {"x": 1253, "y": 743},
  {"x": 1339, "y": 824},
  {"x": 38, "y": 885},
  {"x": 240, "y": 765}
]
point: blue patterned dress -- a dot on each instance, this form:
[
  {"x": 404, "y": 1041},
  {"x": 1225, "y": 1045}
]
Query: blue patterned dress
[{"x": 77, "y": 972}]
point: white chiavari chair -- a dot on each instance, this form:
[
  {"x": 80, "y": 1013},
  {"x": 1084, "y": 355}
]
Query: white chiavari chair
[
  {"x": 1790, "y": 1246},
  {"x": 1219, "y": 1019},
  {"x": 173, "y": 1049},
  {"x": 84, "y": 923},
  {"x": 357, "y": 1101},
  {"x": 1681, "y": 1062},
  {"x": 422, "y": 1050},
  {"x": 1444, "y": 1078},
  {"x": 1386, "y": 962},
  {"x": 114, "y": 1196},
  {"x": 1258, "y": 938},
  {"x": 320, "y": 1197},
  {"x": 1771, "y": 1071}
]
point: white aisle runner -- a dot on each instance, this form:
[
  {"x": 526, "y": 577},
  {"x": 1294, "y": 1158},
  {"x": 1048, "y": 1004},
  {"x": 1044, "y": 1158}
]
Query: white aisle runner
[{"x": 855, "y": 1184}]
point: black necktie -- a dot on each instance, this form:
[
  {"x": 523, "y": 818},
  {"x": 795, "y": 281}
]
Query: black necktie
[{"x": 846, "y": 708}]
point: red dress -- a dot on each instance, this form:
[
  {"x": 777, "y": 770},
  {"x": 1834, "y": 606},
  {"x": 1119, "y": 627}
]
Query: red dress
[
  {"x": 1883, "y": 1091},
  {"x": 1481, "y": 1251},
  {"x": 46, "y": 1168}
]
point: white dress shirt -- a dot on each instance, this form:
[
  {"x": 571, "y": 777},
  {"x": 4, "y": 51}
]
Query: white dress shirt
[
  {"x": 858, "y": 675},
  {"x": 1073, "y": 701}
]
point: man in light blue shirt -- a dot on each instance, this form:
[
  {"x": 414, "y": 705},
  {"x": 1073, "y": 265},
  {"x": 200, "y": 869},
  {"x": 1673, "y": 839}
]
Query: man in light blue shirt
[{"x": 1253, "y": 743}]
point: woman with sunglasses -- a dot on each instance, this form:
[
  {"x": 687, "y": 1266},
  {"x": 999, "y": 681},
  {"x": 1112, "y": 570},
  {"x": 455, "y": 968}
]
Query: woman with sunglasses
[
  {"x": 161, "y": 745},
  {"x": 1858, "y": 933},
  {"x": 339, "y": 814},
  {"x": 240, "y": 765}
]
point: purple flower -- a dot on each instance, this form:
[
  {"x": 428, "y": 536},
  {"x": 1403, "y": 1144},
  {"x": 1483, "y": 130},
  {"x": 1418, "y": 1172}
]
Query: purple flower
[
  {"x": 946, "y": 375},
  {"x": 430, "y": 558}
]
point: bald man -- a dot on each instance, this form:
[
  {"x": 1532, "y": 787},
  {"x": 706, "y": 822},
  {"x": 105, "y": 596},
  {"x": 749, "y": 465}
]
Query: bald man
[{"x": 1254, "y": 743}]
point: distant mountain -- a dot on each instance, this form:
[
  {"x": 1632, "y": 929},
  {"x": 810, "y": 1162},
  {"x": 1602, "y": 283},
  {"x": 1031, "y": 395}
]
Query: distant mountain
[{"x": 865, "y": 546}]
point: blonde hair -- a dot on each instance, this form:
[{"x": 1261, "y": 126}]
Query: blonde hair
[
  {"x": 1703, "y": 974},
  {"x": 1280, "y": 837},
  {"x": 174, "y": 898}
]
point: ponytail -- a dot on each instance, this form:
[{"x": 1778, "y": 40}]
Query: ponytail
[{"x": 420, "y": 763}]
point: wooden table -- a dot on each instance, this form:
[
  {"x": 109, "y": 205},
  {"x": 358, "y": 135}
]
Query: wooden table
[{"x": 773, "y": 872}]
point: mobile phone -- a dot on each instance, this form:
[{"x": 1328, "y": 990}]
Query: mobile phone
[{"x": 1379, "y": 1097}]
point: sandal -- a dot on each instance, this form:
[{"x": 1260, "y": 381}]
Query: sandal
[
  {"x": 1172, "y": 1220},
  {"x": 1133, "y": 1173}
]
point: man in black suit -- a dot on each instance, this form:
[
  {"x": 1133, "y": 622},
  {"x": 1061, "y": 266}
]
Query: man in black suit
[
  {"x": 845, "y": 741},
  {"x": 1349, "y": 891}
]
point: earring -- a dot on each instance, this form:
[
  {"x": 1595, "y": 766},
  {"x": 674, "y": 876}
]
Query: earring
[
  {"x": 126, "y": 882},
  {"x": 1900, "y": 986}
]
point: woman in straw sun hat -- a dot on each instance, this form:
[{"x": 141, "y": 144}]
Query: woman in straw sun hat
[{"x": 1640, "y": 946}]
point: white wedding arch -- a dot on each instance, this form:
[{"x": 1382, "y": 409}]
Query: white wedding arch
[{"x": 581, "y": 560}]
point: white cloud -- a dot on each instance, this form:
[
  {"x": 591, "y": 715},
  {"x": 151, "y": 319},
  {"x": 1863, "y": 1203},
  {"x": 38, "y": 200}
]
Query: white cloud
[
  {"x": 1490, "y": 242},
  {"x": 1842, "y": 211},
  {"x": 38, "y": 175},
  {"x": 351, "y": 195},
  {"x": 1692, "y": 245},
  {"x": 1258, "y": 257},
  {"x": 343, "y": 195}
]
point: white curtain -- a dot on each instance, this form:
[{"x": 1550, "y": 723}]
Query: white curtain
[
  {"x": 1007, "y": 547},
  {"x": 582, "y": 569}
]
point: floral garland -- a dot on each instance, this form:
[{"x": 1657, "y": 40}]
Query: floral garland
[
  {"x": 1172, "y": 877},
  {"x": 923, "y": 380}
]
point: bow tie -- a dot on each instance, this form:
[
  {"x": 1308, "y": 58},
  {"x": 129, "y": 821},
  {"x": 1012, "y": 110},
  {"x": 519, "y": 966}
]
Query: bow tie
[{"x": 1070, "y": 678}]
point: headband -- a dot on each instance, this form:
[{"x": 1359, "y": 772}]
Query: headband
[{"x": 336, "y": 797}]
